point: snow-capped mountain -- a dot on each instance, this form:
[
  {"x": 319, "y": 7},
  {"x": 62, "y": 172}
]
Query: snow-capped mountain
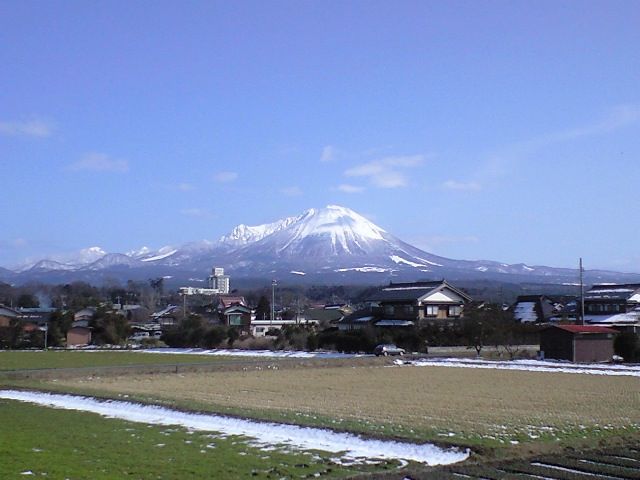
[{"x": 331, "y": 244}]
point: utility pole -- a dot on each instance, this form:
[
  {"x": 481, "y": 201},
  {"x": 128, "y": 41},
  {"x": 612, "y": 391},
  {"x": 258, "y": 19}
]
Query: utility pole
[
  {"x": 273, "y": 299},
  {"x": 581, "y": 293}
]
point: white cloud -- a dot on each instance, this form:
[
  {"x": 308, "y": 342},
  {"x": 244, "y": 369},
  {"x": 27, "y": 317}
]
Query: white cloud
[
  {"x": 100, "y": 162},
  {"x": 461, "y": 186},
  {"x": 328, "y": 154},
  {"x": 347, "y": 188},
  {"x": 388, "y": 172},
  {"x": 196, "y": 213},
  {"x": 185, "y": 187},
  {"x": 225, "y": 177},
  {"x": 292, "y": 191},
  {"x": 27, "y": 128}
]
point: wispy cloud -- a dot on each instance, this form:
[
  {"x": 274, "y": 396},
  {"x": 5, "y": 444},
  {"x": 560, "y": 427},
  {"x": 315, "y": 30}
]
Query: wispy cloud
[
  {"x": 291, "y": 191},
  {"x": 328, "y": 154},
  {"x": 100, "y": 162},
  {"x": 435, "y": 242},
  {"x": 225, "y": 177},
  {"x": 504, "y": 160},
  {"x": 185, "y": 187},
  {"x": 27, "y": 128},
  {"x": 348, "y": 188},
  {"x": 388, "y": 172},
  {"x": 197, "y": 213},
  {"x": 459, "y": 186},
  {"x": 13, "y": 243},
  {"x": 617, "y": 117}
]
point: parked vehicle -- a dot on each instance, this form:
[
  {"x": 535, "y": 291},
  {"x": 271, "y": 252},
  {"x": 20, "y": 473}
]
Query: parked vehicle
[{"x": 388, "y": 349}]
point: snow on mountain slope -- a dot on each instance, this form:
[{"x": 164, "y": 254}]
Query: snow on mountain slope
[
  {"x": 245, "y": 234},
  {"x": 318, "y": 233},
  {"x": 164, "y": 252}
]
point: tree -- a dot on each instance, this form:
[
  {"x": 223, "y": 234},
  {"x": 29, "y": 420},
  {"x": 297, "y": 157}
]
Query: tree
[
  {"x": 109, "y": 328},
  {"x": 27, "y": 300},
  {"x": 233, "y": 335},
  {"x": 263, "y": 310},
  {"x": 627, "y": 345}
]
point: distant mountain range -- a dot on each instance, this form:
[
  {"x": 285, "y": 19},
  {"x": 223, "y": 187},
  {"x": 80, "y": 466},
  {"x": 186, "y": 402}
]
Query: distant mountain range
[{"x": 329, "y": 245}]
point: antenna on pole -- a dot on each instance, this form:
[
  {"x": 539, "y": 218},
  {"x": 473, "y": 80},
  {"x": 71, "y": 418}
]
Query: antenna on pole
[{"x": 581, "y": 293}]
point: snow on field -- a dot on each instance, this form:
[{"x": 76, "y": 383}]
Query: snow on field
[
  {"x": 264, "y": 434},
  {"x": 223, "y": 352},
  {"x": 528, "y": 365}
]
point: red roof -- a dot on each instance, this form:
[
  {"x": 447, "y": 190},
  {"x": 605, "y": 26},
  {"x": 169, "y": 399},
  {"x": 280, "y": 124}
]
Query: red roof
[
  {"x": 586, "y": 329},
  {"x": 229, "y": 300}
]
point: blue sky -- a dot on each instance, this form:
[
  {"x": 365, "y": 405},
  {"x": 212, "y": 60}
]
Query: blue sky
[{"x": 494, "y": 130}]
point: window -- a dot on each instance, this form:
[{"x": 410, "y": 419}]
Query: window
[
  {"x": 455, "y": 310},
  {"x": 431, "y": 310},
  {"x": 389, "y": 310}
]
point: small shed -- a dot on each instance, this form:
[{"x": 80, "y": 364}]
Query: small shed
[
  {"x": 78, "y": 335},
  {"x": 577, "y": 343}
]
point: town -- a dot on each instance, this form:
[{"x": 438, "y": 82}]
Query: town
[{"x": 413, "y": 315}]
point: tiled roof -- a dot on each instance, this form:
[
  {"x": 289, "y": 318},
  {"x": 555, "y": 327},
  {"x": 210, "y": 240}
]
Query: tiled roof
[
  {"x": 410, "y": 292},
  {"x": 585, "y": 329}
]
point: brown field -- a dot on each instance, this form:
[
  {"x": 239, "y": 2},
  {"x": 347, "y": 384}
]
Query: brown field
[{"x": 459, "y": 405}]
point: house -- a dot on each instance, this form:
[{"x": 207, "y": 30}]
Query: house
[
  {"x": 577, "y": 343},
  {"x": 611, "y": 304},
  {"x": 7, "y": 315},
  {"x": 533, "y": 308},
  {"x": 323, "y": 315},
  {"x": 166, "y": 316},
  {"x": 402, "y": 305},
  {"x": 238, "y": 316},
  {"x": 419, "y": 302},
  {"x": 226, "y": 301},
  {"x": 260, "y": 328},
  {"x": 84, "y": 314}
]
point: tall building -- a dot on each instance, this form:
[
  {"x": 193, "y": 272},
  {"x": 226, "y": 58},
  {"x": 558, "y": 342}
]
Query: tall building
[{"x": 218, "y": 280}]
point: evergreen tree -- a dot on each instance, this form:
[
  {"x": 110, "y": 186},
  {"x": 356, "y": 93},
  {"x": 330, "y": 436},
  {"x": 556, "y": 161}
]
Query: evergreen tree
[{"x": 263, "y": 310}]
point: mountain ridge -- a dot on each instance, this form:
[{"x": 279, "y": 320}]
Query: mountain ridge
[{"x": 328, "y": 245}]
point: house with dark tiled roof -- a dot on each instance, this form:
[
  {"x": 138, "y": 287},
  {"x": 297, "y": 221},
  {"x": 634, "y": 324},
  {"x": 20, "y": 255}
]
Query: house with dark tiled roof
[
  {"x": 421, "y": 301},
  {"x": 533, "y": 308},
  {"x": 410, "y": 304},
  {"x": 616, "y": 305}
]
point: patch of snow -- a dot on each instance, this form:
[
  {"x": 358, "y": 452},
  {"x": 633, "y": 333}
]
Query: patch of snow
[
  {"x": 363, "y": 269},
  {"x": 482, "y": 269},
  {"x": 430, "y": 262},
  {"x": 350, "y": 447},
  {"x": 297, "y": 273},
  {"x": 525, "y": 312},
  {"x": 399, "y": 260},
  {"x": 528, "y": 365},
  {"x": 224, "y": 352},
  {"x": 162, "y": 253}
]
